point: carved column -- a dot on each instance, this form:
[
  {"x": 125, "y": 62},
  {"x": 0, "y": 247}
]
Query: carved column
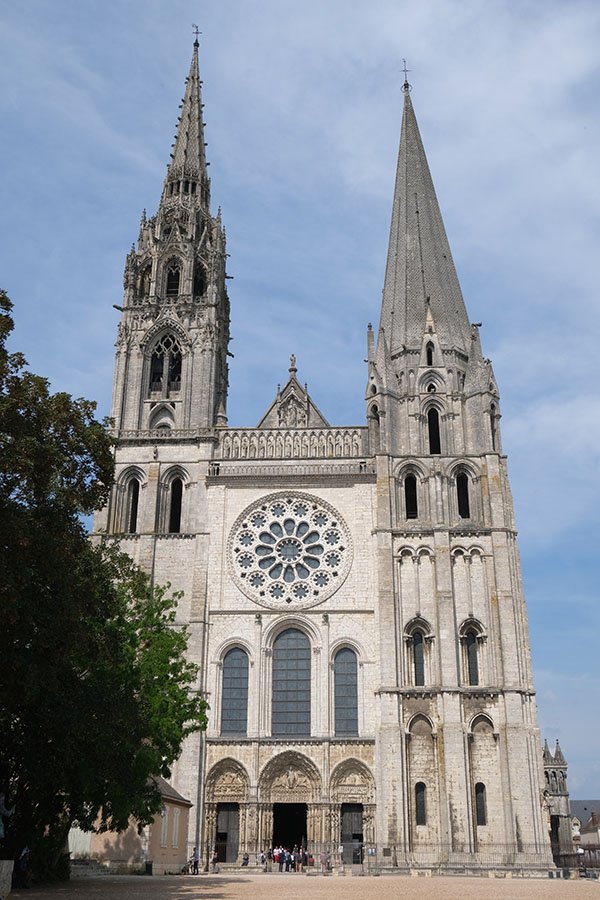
[
  {"x": 210, "y": 827},
  {"x": 251, "y": 828},
  {"x": 336, "y": 825},
  {"x": 369, "y": 823},
  {"x": 265, "y": 827},
  {"x": 243, "y": 842}
]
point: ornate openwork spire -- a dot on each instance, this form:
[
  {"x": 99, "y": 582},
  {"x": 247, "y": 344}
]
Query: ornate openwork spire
[
  {"x": 419, "y": 264},
  {"x": 187, "y": 172}
]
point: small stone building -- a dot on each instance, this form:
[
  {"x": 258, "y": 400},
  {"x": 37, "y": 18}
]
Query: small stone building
[{"x": 163, "y": 842}]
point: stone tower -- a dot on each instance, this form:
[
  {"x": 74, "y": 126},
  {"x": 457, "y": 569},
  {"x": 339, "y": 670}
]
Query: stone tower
[
  {"x": 556, "y": 802},
  {"x": 353, "y": 593},
  {"x": 171, "y": 367}
]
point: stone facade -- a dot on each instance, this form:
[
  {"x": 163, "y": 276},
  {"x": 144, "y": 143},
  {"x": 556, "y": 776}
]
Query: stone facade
[{"x": 384, "y": 555}]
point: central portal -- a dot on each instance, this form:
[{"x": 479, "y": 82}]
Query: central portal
[{"x": 289, "y": 825}]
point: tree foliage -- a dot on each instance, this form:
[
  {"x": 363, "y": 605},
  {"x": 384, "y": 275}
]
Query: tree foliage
[{"x": 96, "y": 694}]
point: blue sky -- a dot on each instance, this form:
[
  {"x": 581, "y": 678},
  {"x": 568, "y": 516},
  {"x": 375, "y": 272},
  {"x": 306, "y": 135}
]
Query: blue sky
[{"x": 303, "y": 106}]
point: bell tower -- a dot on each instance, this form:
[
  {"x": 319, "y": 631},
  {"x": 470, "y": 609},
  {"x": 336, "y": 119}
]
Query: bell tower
[{"x": 171, "y": 360}]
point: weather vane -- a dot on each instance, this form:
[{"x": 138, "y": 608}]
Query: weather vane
[{"x": 406, "y": 85}]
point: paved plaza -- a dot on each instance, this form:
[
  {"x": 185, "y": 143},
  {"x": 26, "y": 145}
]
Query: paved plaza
[{"x": 302, "y": 887}]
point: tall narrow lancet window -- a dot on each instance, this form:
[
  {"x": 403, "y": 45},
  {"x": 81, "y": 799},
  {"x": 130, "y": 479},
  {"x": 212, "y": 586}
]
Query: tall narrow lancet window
[
  {"x": 433, "y": 426},
  {"x": 493, "y": 425},
  {"x": 165, "y": 367},
  {"x": 429, "y": 353},
  {"x": 480, "y": 804},
  {"x": 346, "y": 692},
  {"x": 420, "y": 804},
  {"x": 132, "y": 505},
  {"x": 418, "y": 658},
  {"x": 472, "y": 661},
  {"x": 173, "y": 278},
  {"x": 462, "y": 495},
  {"x": 291, "y": 684},
  {"x": 234, "y": 697},
  {"x": 410, "y": 497},
  {"x": 176, "y": 492}
]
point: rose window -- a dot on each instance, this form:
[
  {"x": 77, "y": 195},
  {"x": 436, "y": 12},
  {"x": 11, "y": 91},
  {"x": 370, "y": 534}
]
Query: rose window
[{"x": 292, "y": 549}]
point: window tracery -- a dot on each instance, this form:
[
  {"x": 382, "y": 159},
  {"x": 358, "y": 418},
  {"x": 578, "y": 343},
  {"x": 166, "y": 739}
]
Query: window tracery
[
  {"x": 290, "y": 548},
  {"x": 165, "y": 366}
]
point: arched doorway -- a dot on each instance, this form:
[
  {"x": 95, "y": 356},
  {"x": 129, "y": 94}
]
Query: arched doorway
[
  {"x": 226, "y": 802},
  {"x": 289, "y": 791},
  {"x": 353, "y": 809}
]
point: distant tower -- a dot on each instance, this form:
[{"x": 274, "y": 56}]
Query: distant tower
[
  {"x": 171, "y": 365},
  {"x": 556, "y": 802}
]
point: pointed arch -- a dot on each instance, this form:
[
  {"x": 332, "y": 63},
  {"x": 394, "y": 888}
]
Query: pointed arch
[
  {"x": 472, "y": 638},
  {"x": 162, "y": 418},
  {"x": 172, "y": 276},
  {"x": 352, "y": 781},
  {"x": 129, "y": 488},
  {"x": 227, "y": 781},
  {"x": 434, "y": 435},
  {"x": 165, "y": 365},
  {"x": 291, "y": 687},
  {"x": 234, "y": 692},
  {"x": 172, "y": 492},
  {"x": 418, "y": 639},
  {"x": 345, "y": 668}
]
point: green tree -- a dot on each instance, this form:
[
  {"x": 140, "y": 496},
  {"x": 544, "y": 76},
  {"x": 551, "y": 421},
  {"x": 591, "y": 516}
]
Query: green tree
[{"x": 96, "y": 693}]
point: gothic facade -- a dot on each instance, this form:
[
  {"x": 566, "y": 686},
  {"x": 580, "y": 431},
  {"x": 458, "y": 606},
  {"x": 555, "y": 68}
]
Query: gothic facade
[{"x": 353, "y": 594}]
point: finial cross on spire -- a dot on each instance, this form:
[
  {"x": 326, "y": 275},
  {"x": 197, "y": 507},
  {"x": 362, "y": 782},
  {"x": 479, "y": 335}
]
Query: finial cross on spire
[
  {"x": 406, "y": 86},
  {"x": 196, "y": 32}
]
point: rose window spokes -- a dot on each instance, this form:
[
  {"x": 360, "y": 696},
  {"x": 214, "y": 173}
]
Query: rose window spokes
[{"x": 291, "y": 549}]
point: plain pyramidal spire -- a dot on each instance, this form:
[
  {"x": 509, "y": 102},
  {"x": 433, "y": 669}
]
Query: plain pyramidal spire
[
  {"x": 419, "y": 271},
  {"x": 188, "y": 166}
]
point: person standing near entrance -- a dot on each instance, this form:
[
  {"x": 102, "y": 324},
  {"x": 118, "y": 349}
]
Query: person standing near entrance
[{"x": 195, "y": 861}]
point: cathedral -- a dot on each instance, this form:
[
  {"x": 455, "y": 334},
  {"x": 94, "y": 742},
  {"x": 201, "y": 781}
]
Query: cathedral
[{"x": 352, "y": 594}]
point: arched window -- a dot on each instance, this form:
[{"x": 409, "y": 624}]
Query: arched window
[
  {"x": 472, "y": 661},
  {"x": 433, "y": 425},
  {"x": 480, "y": 804},
  {"x": 176, "y": 492},
  {"x": 462, "y": 495},
  {"x": 410, "y": 497},
  {"x": 291, "y": 684},
  {"x": 234, "y": 697},
  {"x": 165, "y": 367},
  {"x": 420, "y": 804},
  {"x": 418, "y": 658},
  {"x": 131, "y": 506},
  {"x": 346, "y": 692},
  {"x": 173, "y": 278},
  {"x": 429, "y": 353}
]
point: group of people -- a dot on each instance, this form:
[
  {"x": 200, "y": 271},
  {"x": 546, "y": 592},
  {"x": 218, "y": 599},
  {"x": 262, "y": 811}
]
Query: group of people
[{"x": 291, "y": 860}]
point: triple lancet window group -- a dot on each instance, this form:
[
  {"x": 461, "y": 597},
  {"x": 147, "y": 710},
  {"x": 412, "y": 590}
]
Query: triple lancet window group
[{"x": 291, "y": 691}]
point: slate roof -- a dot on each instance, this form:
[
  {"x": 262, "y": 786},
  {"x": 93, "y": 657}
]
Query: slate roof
[{"x": 583, "y": 809}]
